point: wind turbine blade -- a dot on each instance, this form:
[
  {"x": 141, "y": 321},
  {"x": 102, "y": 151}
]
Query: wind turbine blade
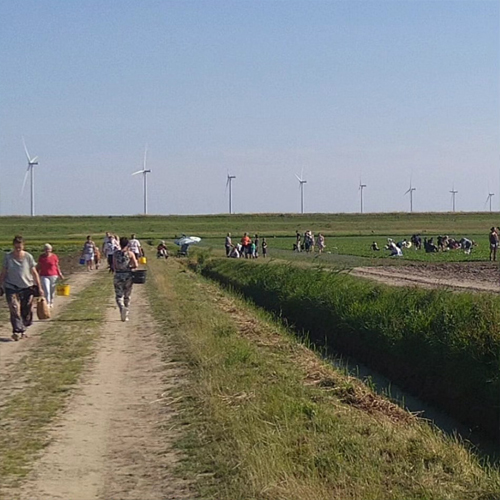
[
  {"x": 145, "y": 155},
  {"x": 26, "y": 150},
  {"x": 33, "y": 160},
  {"x": 138, "y": 172},
  {"x": 25, "y": 179},
  {"x": 406, "y": 192},
  {"x": 298, "y": 178}
]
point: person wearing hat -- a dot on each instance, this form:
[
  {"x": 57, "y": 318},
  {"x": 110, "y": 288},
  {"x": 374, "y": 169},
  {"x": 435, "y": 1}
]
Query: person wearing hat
[{"x": 49, "y": 270}]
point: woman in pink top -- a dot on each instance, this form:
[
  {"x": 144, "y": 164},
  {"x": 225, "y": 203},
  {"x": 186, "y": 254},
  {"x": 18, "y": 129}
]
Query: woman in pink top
[{"x": 48, "y": 268}]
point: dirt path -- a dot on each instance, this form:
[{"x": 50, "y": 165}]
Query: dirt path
[
  {"x": 115, "y": 439},
  {"x": 454, "y": 277}
]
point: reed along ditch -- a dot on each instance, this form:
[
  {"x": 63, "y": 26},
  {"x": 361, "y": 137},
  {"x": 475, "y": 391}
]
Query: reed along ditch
[{"x": 441, "y": 347}]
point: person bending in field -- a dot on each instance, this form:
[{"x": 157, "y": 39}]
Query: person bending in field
[
  {"x": 124, "y": 261},
  {"x": 493, "y": 237},
  {"x": 375, "y": 247}
]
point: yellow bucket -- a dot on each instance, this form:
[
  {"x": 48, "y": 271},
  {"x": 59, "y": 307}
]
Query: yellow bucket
[
  {"x": 63, "y": 290},
  {"x": 142, "y": 260}
]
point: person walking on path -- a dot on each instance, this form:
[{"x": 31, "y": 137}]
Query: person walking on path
[
  {"x": 108, "y": 249},
  {"x": 88, "y": 253},
  {"x": 494, "y": 239},
  {"x": 135, "y": 246},
  {"x": 124, "y": 261},
  {"x": 49, "y": 270},
  {"x": 17, "y": 280}
]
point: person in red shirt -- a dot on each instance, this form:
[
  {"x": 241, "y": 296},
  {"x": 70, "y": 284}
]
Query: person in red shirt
[
  {"x": 245, "y": 243},
  {"x": 49, "y": 270}
]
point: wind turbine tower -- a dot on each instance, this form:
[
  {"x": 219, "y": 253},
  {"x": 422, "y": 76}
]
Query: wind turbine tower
[
  {"x": 453, "y": 193},
  {"x": 361, "y": 187},
  {"x": 229, "y": 184},
  {"x": 31, "y": 163},
  {"x": 489, "y": 198},
  {"x": 302, "y": 181},
  {"x": 144, "y": 173},
  {"x": 410, "y": 190}
]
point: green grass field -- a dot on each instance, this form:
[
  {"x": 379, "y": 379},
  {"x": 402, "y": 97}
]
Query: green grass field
[
  {"x": 347, "y": 235},
  {"x": 76, "y": 228}
]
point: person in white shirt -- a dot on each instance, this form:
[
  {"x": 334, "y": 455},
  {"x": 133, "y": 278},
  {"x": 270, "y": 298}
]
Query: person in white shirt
[
  {"x": 108, "y": 249},
  {"x": 135, "y": 246}
]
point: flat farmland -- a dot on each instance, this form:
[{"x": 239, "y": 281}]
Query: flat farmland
[
  {"x": 270, "y": 225},
  {"x": 220, "y": 399}
]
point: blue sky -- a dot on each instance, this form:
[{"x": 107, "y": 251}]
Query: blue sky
[{"x": 384, "y": 91}]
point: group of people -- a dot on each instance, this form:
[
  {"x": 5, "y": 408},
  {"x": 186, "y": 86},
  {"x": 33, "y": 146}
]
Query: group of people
[
  {"x": 442, "y": 244},
  {"x": 246, "y": 248},
  {"x": 22, "y": 279},
  {"x": 307, "y": 242},
  {"x": 91, "y": 253}
]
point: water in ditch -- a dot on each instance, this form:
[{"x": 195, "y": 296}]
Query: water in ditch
[{"x": 483, "y": 445}]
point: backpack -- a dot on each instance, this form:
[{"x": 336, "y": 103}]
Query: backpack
[{"x": 122, "y": 261}]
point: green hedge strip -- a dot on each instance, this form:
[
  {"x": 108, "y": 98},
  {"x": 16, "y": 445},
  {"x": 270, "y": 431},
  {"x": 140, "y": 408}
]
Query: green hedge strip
[{"x": 443, "y": 346}]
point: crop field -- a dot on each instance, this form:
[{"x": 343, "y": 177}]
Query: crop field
[{"x": 360, "y": 246}]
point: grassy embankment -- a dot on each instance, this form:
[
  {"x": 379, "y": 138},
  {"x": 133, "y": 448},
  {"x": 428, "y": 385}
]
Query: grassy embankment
[
  {"x": 46, "y": 376},
  {"x": 263, "y": 417},
  {"x": 444, "y": 346}
]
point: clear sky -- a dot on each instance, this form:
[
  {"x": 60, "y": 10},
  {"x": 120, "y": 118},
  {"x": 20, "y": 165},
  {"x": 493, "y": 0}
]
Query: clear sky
[{"x": 384, "y": 91}]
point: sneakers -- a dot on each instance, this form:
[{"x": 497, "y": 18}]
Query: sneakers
[
  {"x": 15, "y": 336},
  {"x": 124, "y": 313}
]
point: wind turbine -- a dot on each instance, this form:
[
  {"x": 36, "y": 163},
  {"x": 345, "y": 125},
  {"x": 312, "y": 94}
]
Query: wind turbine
[
  {"x": 410, "y": 190},
  {"x": 229, "y": 184},
  {"x": 31, "y": 163},
  {"x": 490, "y": 196},
  {"x": 144, "y": 173},
  {"x": 361, "y": 187},
  {"x": 301, "y": 184},
  {"x": 453, "y": 193}
]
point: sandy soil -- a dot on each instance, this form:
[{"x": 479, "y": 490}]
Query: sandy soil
[
  {"x": 477, "y": 277},
  {"x": 114, "y": 441}
]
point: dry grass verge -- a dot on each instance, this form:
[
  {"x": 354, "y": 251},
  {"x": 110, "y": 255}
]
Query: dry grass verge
[{"x": 265, "y": 418}]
